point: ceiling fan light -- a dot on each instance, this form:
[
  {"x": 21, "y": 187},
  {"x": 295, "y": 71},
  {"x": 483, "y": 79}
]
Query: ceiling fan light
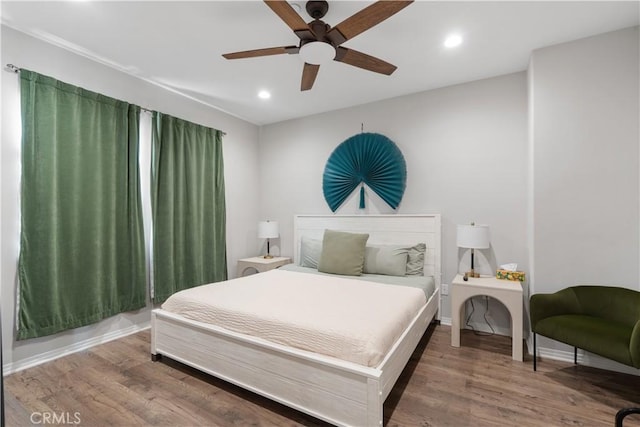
[{"x": 317, "y": 53}]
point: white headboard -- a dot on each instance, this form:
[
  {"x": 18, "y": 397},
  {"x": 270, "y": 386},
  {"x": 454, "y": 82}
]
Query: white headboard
[{"x": 383, "y": 230}]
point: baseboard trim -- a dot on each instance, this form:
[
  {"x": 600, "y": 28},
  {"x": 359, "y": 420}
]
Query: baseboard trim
[
  {"x": 585, "y": 358},
  {"x": 48, "y": 356}
]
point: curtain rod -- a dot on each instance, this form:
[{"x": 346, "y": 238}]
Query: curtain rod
[{"x": 12, "y": 68}]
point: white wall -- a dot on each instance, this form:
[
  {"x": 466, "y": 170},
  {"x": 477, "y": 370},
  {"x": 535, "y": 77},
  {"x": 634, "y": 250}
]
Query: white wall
[
  {"x": 585, "y": 157},
  {"x": 586, "y": 161},
  {"x": 465, "y": 148},
  {"x": 241, "y": 174}
]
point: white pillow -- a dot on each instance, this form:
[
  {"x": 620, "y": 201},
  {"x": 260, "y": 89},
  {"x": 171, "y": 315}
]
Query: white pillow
[
  {"x": 310, "y": 250},
  {"x": 415, "y": 262}
]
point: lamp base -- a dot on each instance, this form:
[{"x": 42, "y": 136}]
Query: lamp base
[
  {"x": 267, "y": 256},
  {"x": 472, "y": 273}
]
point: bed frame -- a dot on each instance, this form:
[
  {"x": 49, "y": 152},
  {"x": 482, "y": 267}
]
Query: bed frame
[{"x": 333, "y": 390}]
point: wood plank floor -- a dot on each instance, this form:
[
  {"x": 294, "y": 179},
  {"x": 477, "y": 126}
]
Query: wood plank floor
[{"x": 116, "y": 384}]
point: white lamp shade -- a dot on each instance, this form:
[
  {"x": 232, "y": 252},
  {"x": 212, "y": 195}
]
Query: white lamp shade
[
  {"x": 268, "y": 229},
  {"x": 473, "y": 236}
]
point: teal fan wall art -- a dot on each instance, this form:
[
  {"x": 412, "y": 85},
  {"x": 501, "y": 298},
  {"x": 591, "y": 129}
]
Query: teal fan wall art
[{"x": 366, "y": 158}]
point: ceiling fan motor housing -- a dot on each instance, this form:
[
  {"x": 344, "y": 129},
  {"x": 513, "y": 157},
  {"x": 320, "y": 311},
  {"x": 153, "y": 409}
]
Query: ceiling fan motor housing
[{"x": 320, "y": 29}]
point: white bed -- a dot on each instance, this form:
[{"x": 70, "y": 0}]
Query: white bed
[{"x": 329, "y": 388}]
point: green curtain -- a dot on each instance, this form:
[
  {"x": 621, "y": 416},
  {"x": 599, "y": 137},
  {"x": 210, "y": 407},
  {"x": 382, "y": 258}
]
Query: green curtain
[
  {"x": 188, "y": 204},
  {"x": 82, "y": 242}
]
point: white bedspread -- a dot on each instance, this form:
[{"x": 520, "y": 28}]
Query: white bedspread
[{"x": 352, "y": 320}]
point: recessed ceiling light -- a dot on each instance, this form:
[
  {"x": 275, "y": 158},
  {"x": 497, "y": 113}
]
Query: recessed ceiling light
[
  {"x": 264, "y": 94},
  {"x": 453, "y": 40}
]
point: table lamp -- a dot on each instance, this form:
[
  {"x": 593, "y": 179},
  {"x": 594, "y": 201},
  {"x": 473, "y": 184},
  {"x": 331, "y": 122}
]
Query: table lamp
[
  {"x": 268, "y": 230},
  {"x": 473, "y": 237}
]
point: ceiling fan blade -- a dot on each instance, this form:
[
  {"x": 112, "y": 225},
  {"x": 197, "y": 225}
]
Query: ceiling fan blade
[
  {"x": 368, "y": 17},
  {"x": 262, "y": 52},
  {"x": 309, "y": 73},
  {"x": 364, "y": 61},
  {"x": 287, "y": 14}
]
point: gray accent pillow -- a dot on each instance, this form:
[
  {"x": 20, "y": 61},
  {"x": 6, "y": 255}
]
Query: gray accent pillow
[
  {"x": 388, "y": 260},
  {"x": 415, "y": 260},
  {"x": 310, "y": 251},
  {"x": 342, "y": 253}
]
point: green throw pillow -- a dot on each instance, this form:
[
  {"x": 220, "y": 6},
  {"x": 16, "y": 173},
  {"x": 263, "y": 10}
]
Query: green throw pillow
[{"x": 342, "y": 253}]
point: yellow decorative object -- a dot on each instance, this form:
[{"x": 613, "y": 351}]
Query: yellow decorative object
[{"x": 510, "y": 275}]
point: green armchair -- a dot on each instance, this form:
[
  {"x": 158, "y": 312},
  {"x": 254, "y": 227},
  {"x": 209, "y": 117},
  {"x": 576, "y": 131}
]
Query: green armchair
[{"x": 603, "y": 320}]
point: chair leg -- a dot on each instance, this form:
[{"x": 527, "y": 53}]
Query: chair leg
[
  {"x": 623, "y": 413},
  {"x": 575, "y": 355},
  {"x": 534, "y": 352}
]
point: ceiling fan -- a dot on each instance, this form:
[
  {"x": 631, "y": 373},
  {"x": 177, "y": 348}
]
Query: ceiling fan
[{"x": 320, "y": 43}]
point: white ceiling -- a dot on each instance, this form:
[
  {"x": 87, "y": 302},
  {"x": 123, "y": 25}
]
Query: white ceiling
[{"x": 179, "y": 45}]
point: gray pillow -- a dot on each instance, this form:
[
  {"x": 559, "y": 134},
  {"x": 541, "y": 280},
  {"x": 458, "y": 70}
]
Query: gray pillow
[
  {"x": 415, "y": 260},
  {"x": 310, "y": 251},
  {"x": 388, "y": 260},
  {"x": 342, "y": 253}
]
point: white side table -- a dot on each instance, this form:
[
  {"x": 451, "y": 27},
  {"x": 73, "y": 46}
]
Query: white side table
[
  {"x": 261, "y": 264},
  {"x": 507, "y": 292}
]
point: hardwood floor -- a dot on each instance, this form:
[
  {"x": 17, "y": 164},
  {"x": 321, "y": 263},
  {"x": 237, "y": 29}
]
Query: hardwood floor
[{"x": 477, "y": 384}]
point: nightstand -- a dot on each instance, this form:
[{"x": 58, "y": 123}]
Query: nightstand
[
  {"x": 507, "y": 292},
  {"x": 261, "y": 264}
]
